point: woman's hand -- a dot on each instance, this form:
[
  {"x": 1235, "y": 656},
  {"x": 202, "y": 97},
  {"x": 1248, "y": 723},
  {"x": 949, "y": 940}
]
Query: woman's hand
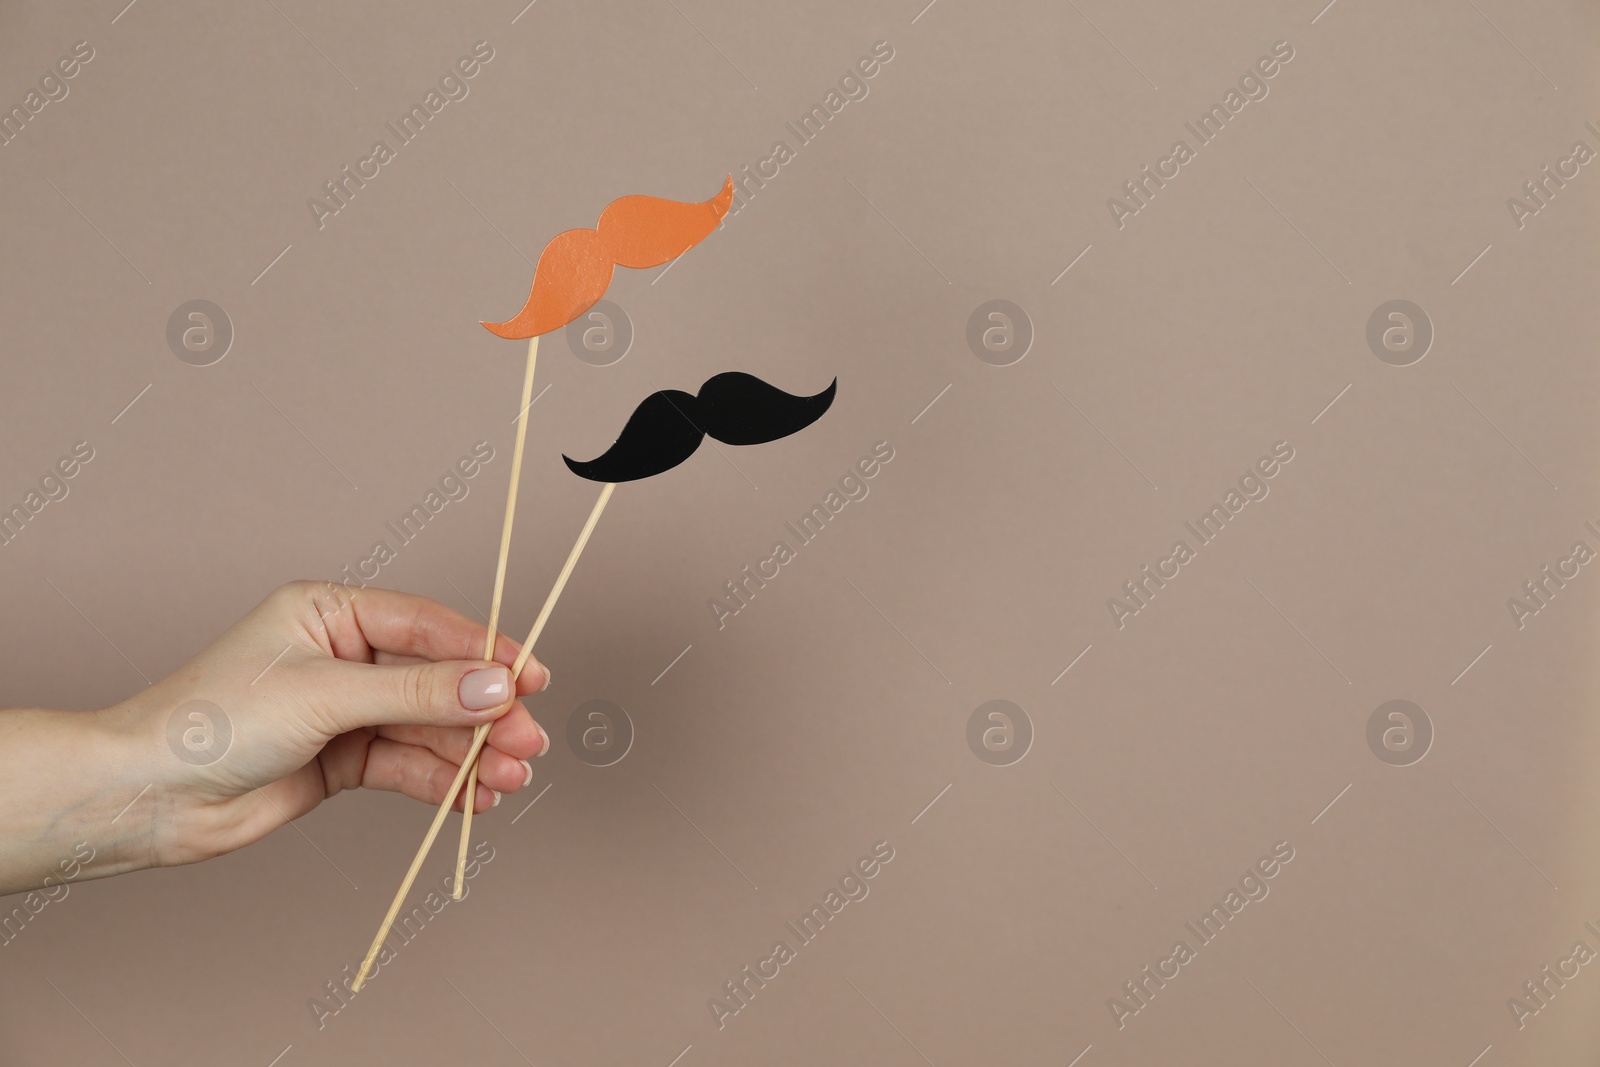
[{"x": 319, "y": 689}]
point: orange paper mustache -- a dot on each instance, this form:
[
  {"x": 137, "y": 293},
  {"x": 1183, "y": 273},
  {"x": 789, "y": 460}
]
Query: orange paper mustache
[{"x": 634, "y": 231}]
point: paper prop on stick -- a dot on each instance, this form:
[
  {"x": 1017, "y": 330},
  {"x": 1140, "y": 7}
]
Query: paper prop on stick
[
  {"x": 734, "y": 408},
  {"x": 575, "y": 267},
  {"x": 572, "y": 274}
]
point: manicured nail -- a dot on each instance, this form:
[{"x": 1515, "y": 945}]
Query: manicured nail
[
  {"x": 542, "y": 751},
  {"x": 527, "y": 771},
  {"x": 546, "y": 684},
  {"x": 488, "y": 687},
  {"x": 496, "y": 793}
]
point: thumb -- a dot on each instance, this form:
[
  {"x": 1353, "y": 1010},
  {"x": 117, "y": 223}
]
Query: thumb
[{"x": 452, "y": 693}]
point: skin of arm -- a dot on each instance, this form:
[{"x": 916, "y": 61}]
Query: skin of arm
[{"x": 320, "y": 688}]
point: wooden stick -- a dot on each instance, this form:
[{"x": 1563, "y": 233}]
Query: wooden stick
[
  {"x": 499, "y": 588},
  {"x": 561, "y": 581},
  {"x": 527, "y": 650},
  {"x": 479, "y": 736}
]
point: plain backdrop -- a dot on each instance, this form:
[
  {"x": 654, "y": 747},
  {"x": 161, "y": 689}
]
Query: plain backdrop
[{"x": 1170, "y": 350}]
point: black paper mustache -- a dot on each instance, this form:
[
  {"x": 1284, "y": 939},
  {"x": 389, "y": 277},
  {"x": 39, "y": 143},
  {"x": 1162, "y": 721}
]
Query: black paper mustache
[{"x": 667, "y": 426}]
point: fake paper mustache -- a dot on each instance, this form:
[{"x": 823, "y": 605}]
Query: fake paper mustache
[
  {"x": 576, "y": 266},
  {"x": 734, "y": 408}
]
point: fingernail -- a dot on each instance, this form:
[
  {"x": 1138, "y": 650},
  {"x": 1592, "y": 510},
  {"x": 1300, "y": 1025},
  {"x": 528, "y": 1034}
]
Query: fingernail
[
  {"x": 542, "y": 751},
  {"x": 546, "y": 684},
  {"x": 487, "y": 687},
  {"x": 496, "y": 793},
  {"x": 527, "y": 772}
]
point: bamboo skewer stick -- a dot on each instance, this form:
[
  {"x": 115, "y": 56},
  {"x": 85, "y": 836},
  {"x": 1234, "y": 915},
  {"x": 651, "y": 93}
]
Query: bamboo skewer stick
[
  {"x": 499, "y": 589},
  {"x": 479, "y": 736},
  {"x": 533, "y": 635}
]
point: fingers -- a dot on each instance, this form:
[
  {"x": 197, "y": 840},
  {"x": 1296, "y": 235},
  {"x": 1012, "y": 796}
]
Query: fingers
[
  {"x": 390, "y": 659},
  {"x": 498, "y": 767},
  {"x": 518, "y": 735},
  {"x": 423, "y": 776},
  {"x": 502, "y": 772},
  {"x": 529, "y": 681},
  {"x": 408, "y": 625},
  {"x": 345, "y": 696},
  {"x": 423, "y": 768},
  {"x": 515, "y": 734}
]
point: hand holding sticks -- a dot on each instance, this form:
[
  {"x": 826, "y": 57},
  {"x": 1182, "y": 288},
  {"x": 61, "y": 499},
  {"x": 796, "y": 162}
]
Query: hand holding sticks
[
  {"x": 478, "y": 739},
  {"x": 573, "y": 273}
]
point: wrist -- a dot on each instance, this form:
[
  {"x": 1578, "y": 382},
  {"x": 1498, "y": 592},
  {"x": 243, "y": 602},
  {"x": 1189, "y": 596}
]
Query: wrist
[
  {"x": 166, "y": 808},
  {"x": 77, "y": 771}
]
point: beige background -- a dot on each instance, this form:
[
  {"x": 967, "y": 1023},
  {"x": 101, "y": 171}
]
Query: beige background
[{"x": 1223, "y": 718}]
